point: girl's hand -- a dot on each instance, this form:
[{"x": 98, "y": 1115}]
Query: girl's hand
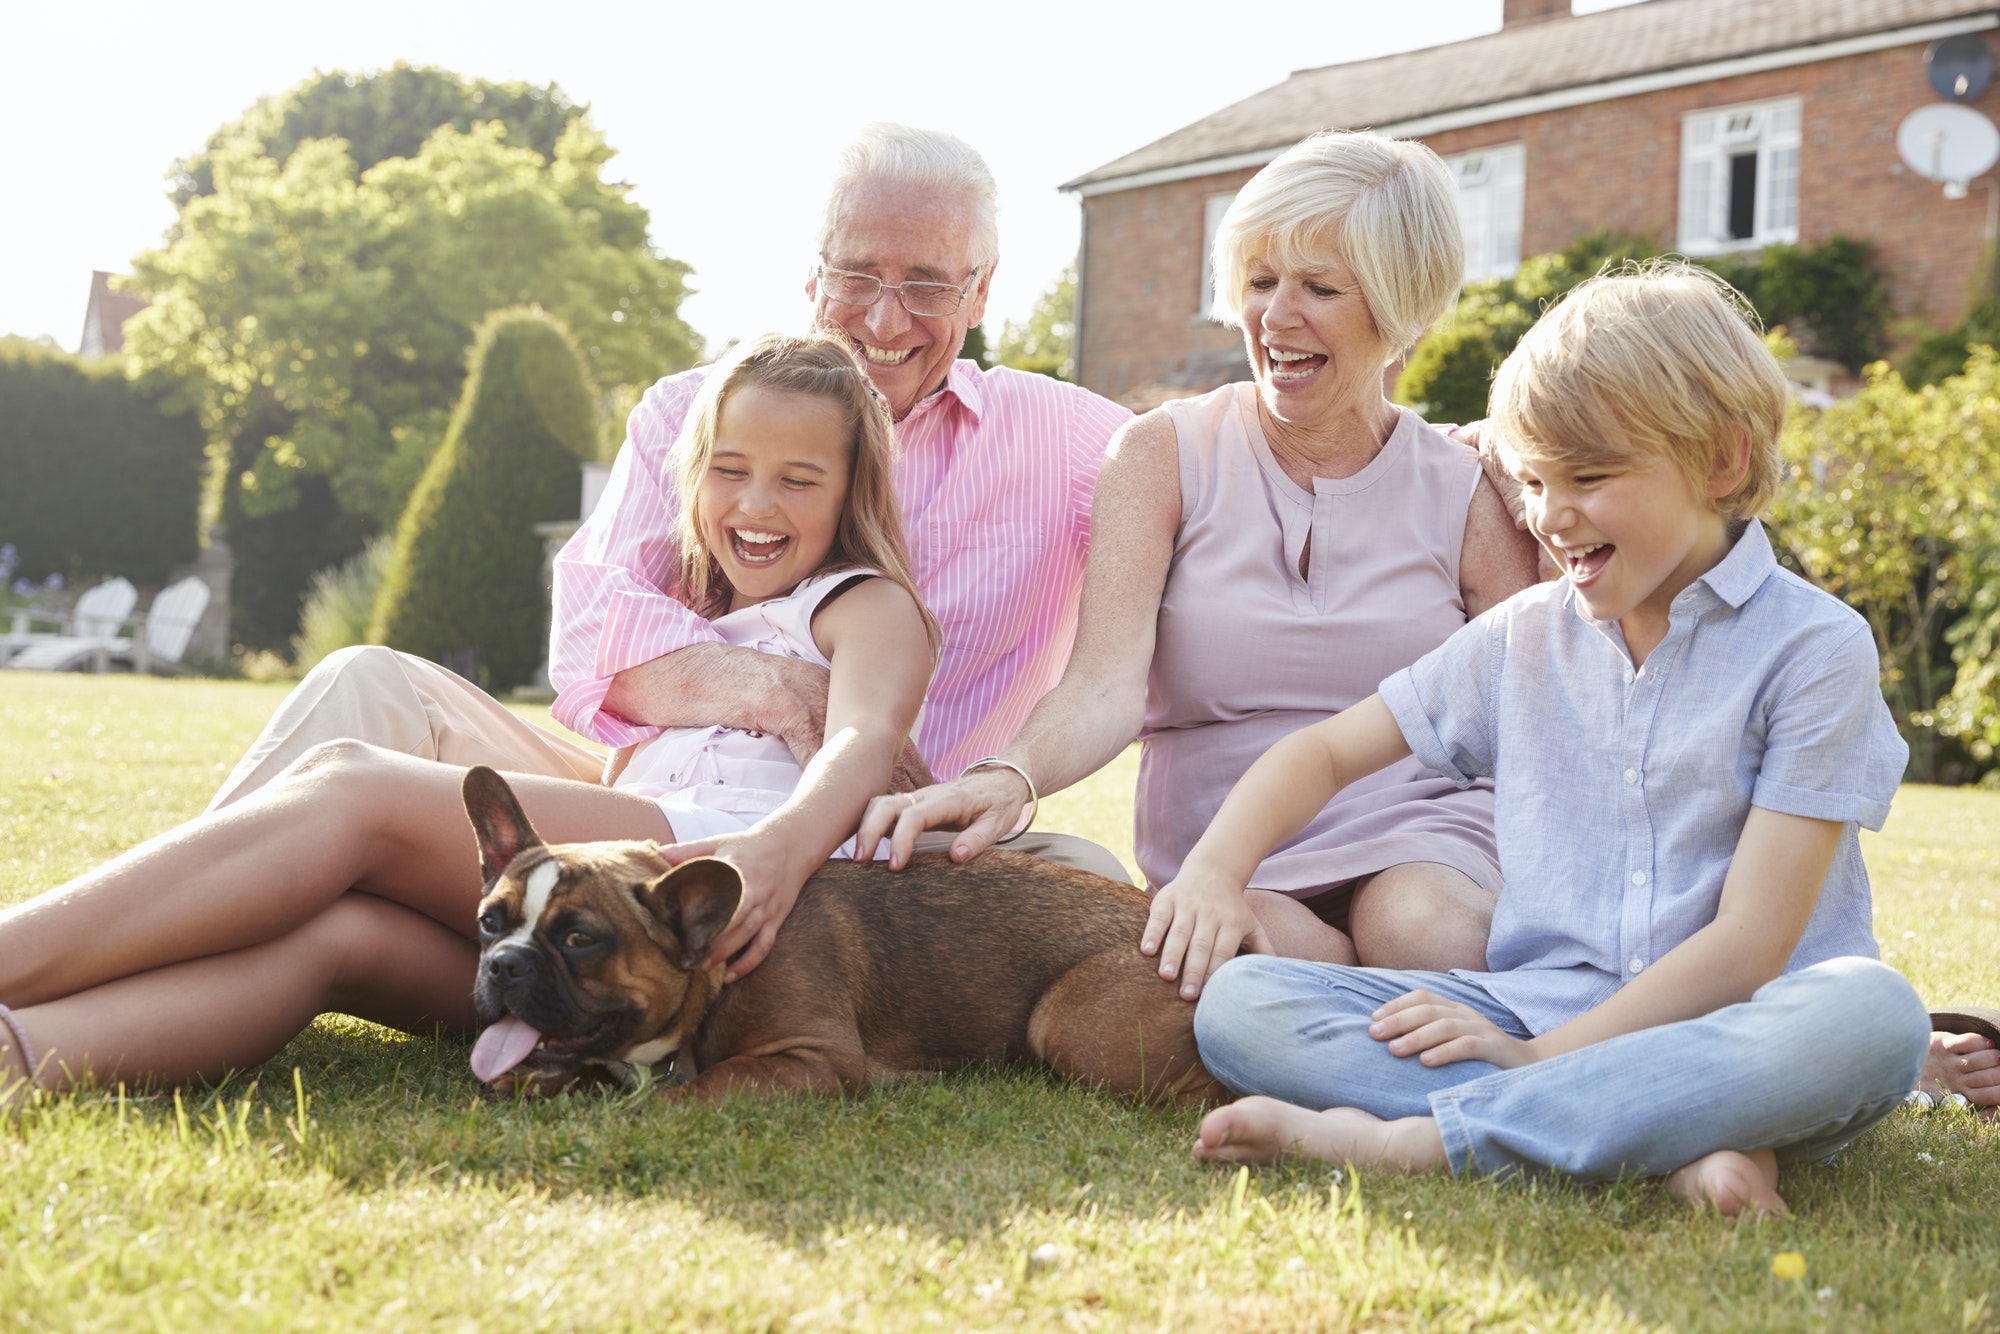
[
  {"x": 986, "y": 805},
  {"x": 1438, "y": 1032},
  {"x": 770, "y": 888},
  {"x": 1198, "y": 923}
]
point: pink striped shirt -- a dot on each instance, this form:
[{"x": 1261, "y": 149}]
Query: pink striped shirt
[{"x": 995, "y": 474}]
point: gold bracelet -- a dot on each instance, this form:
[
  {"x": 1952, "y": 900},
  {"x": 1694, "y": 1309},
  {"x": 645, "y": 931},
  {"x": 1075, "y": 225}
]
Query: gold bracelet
[{"x": 1034, "y": 797}]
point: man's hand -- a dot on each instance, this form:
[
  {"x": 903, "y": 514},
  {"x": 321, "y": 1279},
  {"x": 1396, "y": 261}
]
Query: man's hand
[
  {"x": 986, "y": 805},
  {"x": 1197, "y": 924},
  {"x": 1440, "y": 1032},
  {"x": 709, "y": 685},
  {"x": 1484, "y": 441}
]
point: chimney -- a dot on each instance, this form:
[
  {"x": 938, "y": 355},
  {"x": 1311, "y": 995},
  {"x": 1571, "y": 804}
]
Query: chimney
[{"x": 1520, "y": 13}]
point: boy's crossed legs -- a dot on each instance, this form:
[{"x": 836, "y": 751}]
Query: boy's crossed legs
[{"x": 1815, "y": 1058}]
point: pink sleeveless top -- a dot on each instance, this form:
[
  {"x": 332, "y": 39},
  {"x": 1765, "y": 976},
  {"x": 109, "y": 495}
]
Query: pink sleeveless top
[{"x": 1248, "y": 652}]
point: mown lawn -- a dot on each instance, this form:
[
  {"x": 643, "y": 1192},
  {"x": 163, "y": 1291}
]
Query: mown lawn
[{"x": 393, "y": 1198}]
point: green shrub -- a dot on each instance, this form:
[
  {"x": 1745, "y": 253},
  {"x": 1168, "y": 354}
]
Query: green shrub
[
  {"x": 465, "y": 573},
  {"x": 95, "y": 479},
  {"x": 339, "y": 601},
  {"x": 1889, "y": 503},
  {"x": 1832, "y": 298}
]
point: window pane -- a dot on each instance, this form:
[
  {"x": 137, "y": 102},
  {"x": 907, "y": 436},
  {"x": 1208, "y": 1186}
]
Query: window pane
[
  {"x": 1781, "y": 203},
  {"x": 1743, "y": 196}
]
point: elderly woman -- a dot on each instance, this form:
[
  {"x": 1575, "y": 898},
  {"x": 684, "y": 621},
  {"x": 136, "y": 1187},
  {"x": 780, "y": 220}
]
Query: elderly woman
[{"x": 1262, "y": 557}]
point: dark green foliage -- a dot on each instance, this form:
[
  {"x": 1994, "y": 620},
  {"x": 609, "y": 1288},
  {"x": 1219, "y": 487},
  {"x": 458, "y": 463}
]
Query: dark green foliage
[
  {"x": 95, "y": 479},
  {"x": 975, "y": 347},
  {"x": 384, "y": 115},
  {"x": 1941, "y": 353},
  {"x": 466, "y": 569},
  {"x": 1832, "y": 298}
]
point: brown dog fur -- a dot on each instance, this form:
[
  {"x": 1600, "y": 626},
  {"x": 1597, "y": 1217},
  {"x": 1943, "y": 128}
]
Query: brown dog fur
[{"x": 876, "y": 973}]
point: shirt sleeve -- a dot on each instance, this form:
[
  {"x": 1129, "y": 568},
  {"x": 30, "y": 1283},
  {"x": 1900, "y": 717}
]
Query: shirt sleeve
[
  {"x": 613, "y": 609},
  {"x": 1092, "y": 424},
  {"x": 1831, "y": 749},
  {"x": 1445, "y": 701}
]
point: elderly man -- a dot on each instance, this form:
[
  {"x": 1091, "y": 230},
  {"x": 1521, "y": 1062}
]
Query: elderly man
[{"x": 995, "y": 474}]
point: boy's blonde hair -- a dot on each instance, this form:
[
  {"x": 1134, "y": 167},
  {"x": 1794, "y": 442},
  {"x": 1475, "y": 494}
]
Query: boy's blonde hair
[
  {"x": 1662, "y": 359},
  {"x": 870, "y": 531},
  {"x": 1385, "y": 206}
]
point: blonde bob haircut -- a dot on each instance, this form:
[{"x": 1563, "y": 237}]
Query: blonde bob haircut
[
  {"x": 1385, "y": 206},
  {"x": 870, "y": 531},
  {"x": 1662, "y": 359}
]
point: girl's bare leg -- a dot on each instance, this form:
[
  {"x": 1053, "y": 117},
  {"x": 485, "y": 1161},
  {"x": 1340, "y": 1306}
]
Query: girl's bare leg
[
  {"x": 1732, "y": 1183},
  {"x": 197, "y": 1020},
  {"x": 348, "y": 817}
]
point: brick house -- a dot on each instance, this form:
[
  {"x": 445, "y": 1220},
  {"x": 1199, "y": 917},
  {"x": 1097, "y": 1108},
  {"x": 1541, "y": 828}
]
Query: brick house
[
  {"x": 104, "y": 318},
  {"x": 1707, "y": 125}
]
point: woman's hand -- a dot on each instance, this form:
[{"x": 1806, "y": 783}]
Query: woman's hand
[
  {"x": 770, "y": 888},
  {"x": 1198, "y": 923},
  {"x": 1439, "y": 1032},
  {"x": 985, "y": 805}
]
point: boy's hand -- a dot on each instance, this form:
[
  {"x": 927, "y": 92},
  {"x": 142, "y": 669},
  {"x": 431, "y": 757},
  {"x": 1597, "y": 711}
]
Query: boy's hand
[
  {"x": 1197, "y": 924},
  {"x": 1439, "y": 1032}
]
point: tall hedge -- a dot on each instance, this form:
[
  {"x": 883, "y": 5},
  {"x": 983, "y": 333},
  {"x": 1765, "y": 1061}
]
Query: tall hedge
[
  {"x": 95, "y": 478},
  {"x": 465, "y": 573}
]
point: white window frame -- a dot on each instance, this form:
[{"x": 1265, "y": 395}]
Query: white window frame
[
  {"x": 1213, "y": 208},
  {"x": 1710, "y": 140},
  {"x": 1489, "y": 187}
]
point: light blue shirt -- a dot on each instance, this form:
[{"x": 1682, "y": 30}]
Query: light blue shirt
[{"x": 1620, "y": 795}]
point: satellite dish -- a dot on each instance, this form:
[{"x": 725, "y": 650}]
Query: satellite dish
[
  {"x": 1948, "y": 142},
  {"x": 1959, "y": 67}
]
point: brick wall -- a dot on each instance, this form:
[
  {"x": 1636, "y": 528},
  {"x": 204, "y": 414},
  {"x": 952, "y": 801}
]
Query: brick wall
[{"x": 1605, "y": 165}]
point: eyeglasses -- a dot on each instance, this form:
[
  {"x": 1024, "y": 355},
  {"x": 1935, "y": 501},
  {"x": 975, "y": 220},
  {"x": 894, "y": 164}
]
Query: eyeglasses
[{"x": 862, "y": 289}]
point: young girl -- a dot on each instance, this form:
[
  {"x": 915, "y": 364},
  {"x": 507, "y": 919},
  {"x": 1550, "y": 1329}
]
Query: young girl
[
  {"x": 350, "y": 884},
  {"x": 1681, "y": 977}
]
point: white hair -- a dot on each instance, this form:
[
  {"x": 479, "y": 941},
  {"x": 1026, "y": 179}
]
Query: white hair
[
  {"x": 1385, "y": 206},
  {"x": 930, "y": 159}
]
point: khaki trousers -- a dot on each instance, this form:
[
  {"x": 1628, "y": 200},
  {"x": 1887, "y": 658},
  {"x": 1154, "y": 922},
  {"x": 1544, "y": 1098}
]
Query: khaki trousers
[{"x": 411, "y": 705}]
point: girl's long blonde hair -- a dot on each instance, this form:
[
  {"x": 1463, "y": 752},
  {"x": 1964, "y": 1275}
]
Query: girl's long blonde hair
[{"x": 870, "y": 531}]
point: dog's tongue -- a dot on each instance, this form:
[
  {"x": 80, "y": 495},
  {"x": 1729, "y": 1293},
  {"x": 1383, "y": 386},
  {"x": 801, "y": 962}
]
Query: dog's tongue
[{"x": 502, "y": 1047}]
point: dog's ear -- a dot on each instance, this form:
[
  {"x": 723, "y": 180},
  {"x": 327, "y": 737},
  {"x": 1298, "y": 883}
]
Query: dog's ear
[
  {"x": 498, "y": 820},
  {"x": 695, "y": 901}
]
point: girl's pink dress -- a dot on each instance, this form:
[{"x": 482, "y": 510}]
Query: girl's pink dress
[
  {"x": 1248, "y": 651},
  {"x": 721, "y": 780}
]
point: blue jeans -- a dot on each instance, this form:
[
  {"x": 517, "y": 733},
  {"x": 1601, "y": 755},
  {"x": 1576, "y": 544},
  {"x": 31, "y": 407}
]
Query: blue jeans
[{"x": 1812, "y": 1060}]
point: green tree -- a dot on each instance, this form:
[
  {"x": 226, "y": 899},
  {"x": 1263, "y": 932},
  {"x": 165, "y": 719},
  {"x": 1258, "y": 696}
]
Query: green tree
[
  {"x": 466, "y": 569},
  {"x": 318, "y": 312},
  {"x": 1044, "y": 342},
  {"x": 1832, "y": 299},
  {"x": 383, "y": 115},
  {"x": 98, "y": 479},
  {"x": 1889, "y": 503}
]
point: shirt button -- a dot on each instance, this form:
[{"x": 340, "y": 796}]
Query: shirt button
[
  {"x": 1638, "y": 877},
  {"x": 1628, "y": 676},
  {"x": 1631, "y": 775},
  {"x": 1637, "y": 964}
]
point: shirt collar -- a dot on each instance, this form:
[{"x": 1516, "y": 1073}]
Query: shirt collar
[
  {"x": 962, "y": 382},
  {"x": 1743, "y": 570},
  {"x": 1733, "y": 581}
]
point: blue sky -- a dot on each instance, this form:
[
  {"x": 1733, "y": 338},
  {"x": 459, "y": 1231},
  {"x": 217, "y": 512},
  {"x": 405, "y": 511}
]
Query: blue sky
[{"x": 724, "y": 113}]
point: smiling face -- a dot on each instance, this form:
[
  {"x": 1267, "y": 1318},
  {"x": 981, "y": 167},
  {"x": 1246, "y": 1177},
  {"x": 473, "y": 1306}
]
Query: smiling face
[
  {"x": 900, "y": 233},
  {"x": 769, "y": 504},
  {"x": 1629, "y": 535},
  {"x": 1312, "y": 340}
]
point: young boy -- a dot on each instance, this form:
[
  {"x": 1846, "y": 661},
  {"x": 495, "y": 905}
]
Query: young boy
[{"x": 1682, "y": 977}]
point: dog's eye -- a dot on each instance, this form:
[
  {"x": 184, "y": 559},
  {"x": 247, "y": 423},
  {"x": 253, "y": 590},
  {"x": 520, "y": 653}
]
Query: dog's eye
[
  {"x": 577, "y": 940},
  {"x": 492, "y": 920}
]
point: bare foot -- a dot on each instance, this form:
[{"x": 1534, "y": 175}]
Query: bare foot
[
  {"x": 1264, "y": 1130},
  {"x": 1732, "y": 1183}
]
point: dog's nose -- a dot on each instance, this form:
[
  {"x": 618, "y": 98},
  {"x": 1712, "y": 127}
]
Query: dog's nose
[{"x": 508, "y": 964}]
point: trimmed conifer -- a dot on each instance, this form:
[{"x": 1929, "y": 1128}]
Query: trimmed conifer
[{"x": 465, "y": 576}]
